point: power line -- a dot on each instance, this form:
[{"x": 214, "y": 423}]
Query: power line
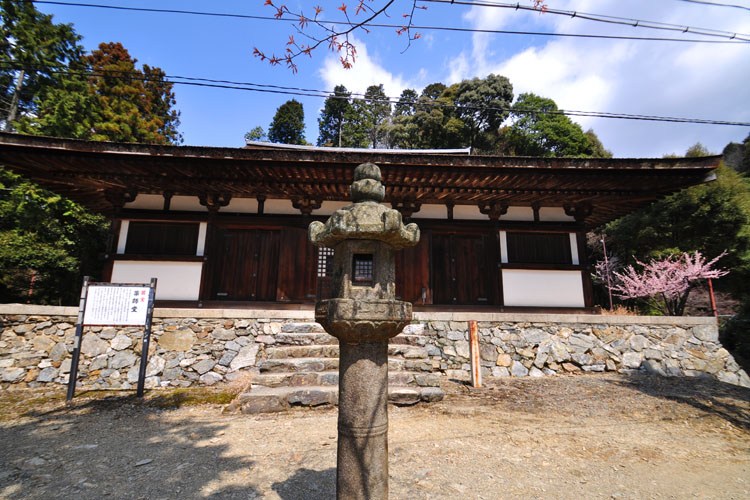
[
  {"x": 730, "y": 39},
  {"x": 602, "y": 18},
  {"x": 304, "y": 92},
  {"x": 717, "y": 4}
]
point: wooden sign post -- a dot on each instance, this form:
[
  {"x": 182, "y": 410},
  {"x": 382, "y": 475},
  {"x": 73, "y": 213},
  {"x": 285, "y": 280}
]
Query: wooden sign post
[{"x": 114, "y": 304}]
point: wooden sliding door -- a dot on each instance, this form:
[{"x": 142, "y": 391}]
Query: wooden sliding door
[
  {"x": 247, "y": 264},
  {"x": 464, "y": 269}
]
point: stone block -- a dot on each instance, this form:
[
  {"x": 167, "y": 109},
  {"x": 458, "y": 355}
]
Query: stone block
[
  {"x": 12, "y": 375},
  {"x": 535, "y": 372},
  {"x": 203, "y": 366},
  {"x": 210, "y": 378},
  {"x": 47, "y": 375},
  {"x": 92, "y": 345},
  {"x": 58, "y": 352},
  {"x": 179, "y": 340},
  {"x": 517, "y": 369},
  {"x": 227, "y": 357},
  {"x": 404, "y": 396},
  {"x": 223, "y": 334},
  {"x": 120, "y": 342},
  {"x": 98, "y": 362},
  {"x": 462, "y": 349},
  {"x": 706, "y": 333},
  {"x": 534, "y": 336},
  {"x": 638, "y": 342},
  {"x": 41, "y": 343},
  {"x": 311, "y": 397},
  {"x": 245, "y": 357},
  {"x": 570, "y": 368}
]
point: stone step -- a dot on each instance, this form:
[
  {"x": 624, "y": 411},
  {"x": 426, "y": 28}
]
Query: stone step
[
  {"x": 287, "y": 365},
  {"x": 407, "y": 351},
  {"x": 295, "y": 338},
  {"x": 316, "y": 337},
  {"x": 326, "y": 378},
  {"x": 302, "y": 327},
  {"x": 303, "y": 351},
  {"x": 273, "y": 399}
]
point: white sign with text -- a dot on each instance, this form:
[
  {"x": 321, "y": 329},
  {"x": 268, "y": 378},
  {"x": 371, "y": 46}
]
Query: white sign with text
[{"x": 116, "y": 305}]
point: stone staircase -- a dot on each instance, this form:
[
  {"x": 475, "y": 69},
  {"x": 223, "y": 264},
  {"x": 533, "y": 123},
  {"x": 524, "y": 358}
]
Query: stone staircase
[{"x": 301, "y": 368}]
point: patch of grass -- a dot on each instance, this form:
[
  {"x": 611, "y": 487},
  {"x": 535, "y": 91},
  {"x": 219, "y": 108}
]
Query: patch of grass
[{"x": 176, "y": 398}]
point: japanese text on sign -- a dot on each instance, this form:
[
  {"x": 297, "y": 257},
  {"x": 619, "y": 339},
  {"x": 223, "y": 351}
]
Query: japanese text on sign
[{"x": 108, "y": 305}]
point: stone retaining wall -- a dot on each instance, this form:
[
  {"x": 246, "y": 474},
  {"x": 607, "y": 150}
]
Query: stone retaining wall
[{"x": 202, "y": 347}]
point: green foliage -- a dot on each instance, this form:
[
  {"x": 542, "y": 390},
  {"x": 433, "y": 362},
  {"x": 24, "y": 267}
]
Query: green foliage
[
  {"x": 46, "y": 236},
  {"x": 483, "y": 104},
  {"x": 406, "y": 103},
  {"x": 33, "y": 48},
  {"x": 288, "y": 125},
  {"x": 256, "y": 134},
  {"x": 539, "y": 130},
  {"x": 121, "y": 103},
  {"x": 336, "y": 110},
  {"x": 737, "y": 156},
  {"x": 709, "y": 218}
]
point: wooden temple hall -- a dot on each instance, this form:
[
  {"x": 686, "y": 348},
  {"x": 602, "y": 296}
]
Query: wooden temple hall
[{"x": 225, "y": 227}]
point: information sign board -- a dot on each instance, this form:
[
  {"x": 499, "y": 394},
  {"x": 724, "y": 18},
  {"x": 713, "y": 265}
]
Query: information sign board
[{"x": 116, "y": 305}]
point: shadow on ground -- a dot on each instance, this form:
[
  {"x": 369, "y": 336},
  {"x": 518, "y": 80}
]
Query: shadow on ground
[
  {"x": 727, "y": 402},
  {"x": 308, "y": 484},
  {"x": 118, "y": 447}
]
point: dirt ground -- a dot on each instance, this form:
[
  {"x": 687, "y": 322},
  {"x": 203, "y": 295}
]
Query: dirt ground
[{"x": 590, "y": 437}]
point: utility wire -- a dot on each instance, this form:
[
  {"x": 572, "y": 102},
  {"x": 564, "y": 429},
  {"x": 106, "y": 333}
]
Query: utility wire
[
  {"x": 297, "y": 91},
  {"x": 734, "y": 38},
  {"x": 716, "y": 4},
  {"x": 602, "y": 18}
]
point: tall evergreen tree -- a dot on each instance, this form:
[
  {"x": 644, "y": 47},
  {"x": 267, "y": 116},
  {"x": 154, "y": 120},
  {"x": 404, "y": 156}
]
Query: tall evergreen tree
[
  {"x": 288, "y": 125},
  {"x": 336, "y": 110},
  {"x": 483, "y": 104},
  {"x": 32, "y": 52},
  {"x": 109, "y": 99}
]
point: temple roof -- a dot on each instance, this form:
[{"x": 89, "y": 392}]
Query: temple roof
[{"x": 96, "y": 173}]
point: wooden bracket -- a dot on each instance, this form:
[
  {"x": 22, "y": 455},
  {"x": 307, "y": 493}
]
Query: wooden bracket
[
  {"x": 214, "y": 201},
  {"x": 306, "y": 205},
  {"x": 579, "y": 212},
  {"x": 407, "y": 207},
  {"x": 493, "y": 209}
]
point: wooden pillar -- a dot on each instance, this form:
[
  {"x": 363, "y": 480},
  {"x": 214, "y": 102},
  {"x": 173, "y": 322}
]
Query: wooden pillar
[
  {"x": 583, "y": 259},
  {"x": 213, "y": 202}
]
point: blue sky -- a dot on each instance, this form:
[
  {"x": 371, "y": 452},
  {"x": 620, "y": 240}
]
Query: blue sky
[{"x": 708, "y": 81}]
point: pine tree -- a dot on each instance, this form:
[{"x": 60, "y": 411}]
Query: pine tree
[
  {"x": 335, "y": 111},
  {"x": 288, "y": 125}
]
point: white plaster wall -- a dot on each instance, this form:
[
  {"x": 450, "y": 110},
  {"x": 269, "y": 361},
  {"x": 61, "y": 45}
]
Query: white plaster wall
[
  {"x": 280, "y": 207},
  {"x": 542, "y": 288},
  {"x": 147, "y": 202},
  {"x": 328, "y": 207},
  {"x": 200, "y": 249},
  {"x": 554, "y": 214},
  {"x": 186, "y": 204},
  {"x": 468, "y": 212},
  {"x": 176, "y": 280},
  {"x": 519, "y": 213},
  {"x": 122, "y": 238},
  {"x": 241, "y": 206},
  {"x": 433, "y": 212},
  {"x": 574, "y": 248}
]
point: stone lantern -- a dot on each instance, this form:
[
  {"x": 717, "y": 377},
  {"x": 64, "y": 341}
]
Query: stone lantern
[{"x": 363, "y": 314}]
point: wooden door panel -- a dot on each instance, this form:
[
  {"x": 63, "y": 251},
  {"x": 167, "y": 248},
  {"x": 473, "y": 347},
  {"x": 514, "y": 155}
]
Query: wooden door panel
[
  {"x": 464, "y": 269},
  {"x": 297, "y": 266},
  {"x": 413, "y": 271},
  {"x": 246, "y": 264},
  {"x": 442, "y": 274}
]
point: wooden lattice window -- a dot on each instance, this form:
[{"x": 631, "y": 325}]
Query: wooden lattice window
[
  {"x": 539, "y": 248},
  {"x": 362, "y": 269},
  {"x": 162, "y": 238},
  {"x": 325, "y": 262}
]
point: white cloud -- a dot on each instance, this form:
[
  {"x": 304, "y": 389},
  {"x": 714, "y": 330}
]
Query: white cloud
[
  {"x": 366, "y": 71},
  {"x": 636, "y": 77}
]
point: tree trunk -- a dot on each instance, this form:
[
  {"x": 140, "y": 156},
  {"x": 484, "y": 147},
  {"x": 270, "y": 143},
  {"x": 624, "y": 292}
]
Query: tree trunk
[{"x": 13, "y": 110}]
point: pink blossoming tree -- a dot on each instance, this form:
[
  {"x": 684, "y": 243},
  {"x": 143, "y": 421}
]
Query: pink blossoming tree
[{"x": 663, "y": 284}]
